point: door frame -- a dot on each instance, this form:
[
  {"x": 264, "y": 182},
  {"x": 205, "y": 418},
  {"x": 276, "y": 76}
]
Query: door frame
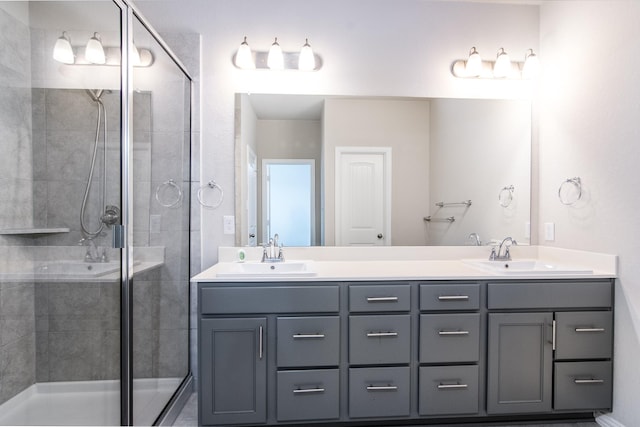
[{"x": 386, "y": 161}]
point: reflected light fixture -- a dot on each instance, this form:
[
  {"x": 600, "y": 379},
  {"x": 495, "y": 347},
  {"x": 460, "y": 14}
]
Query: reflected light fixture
[
  {"x": 94, "y": 52},
  {"x": 306, "y": 60},
  {"x": 502, "y": 66},
  {"x": 275, "y": 60},
  {"x": 244, "y": 58},
  {"x": 62, "y": 51},
  {"x": 473, "y": 66},
  {"x": 531, "y": 67},
  {"x": 135, "y": 56}
]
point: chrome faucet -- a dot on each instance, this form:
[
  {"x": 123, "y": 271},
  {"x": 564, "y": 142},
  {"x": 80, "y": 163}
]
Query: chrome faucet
[
  {"x": 475, "y": 238},
  {"x": 499, "y": 256},
  {"x": 272, "y": 252}
]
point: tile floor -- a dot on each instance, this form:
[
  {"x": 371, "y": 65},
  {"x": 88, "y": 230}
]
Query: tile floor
[{"x": 189, "y": 417}]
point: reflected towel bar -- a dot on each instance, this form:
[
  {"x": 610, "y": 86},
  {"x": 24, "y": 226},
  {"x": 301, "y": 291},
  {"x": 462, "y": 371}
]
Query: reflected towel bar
[
  {"x": 466, "y": 203},
  {"x": 448, "y": 219}
]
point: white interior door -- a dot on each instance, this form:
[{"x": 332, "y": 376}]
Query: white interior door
[
  {"x": 252, "y": 198},
  {"x": 363, "y": 196}
]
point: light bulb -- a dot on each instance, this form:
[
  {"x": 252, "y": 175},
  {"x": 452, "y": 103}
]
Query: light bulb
[
  {"x": 502, "y": 67},
  {"x": 94, "y": 51},
  {"x": 473, "y": 67},
  {"x": 275, "y": 60},
  {"x": 306, "y": 60},
  {"x": 62, "y": 51},
  {"x": 244, "y": 58},
  {"x": 531, "y": 67}
]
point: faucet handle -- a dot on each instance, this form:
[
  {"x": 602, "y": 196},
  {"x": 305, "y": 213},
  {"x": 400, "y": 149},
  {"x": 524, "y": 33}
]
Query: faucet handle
[{"x": 493, "y": 255}]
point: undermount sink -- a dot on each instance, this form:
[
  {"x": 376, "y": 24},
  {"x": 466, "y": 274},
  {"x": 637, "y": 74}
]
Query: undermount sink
[
  {"x": 270, "y": 269},
  {"x": 526, "y": 266}
]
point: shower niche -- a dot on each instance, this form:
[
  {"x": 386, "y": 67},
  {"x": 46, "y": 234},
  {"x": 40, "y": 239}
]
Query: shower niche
[{"x": 94, "y": 218}]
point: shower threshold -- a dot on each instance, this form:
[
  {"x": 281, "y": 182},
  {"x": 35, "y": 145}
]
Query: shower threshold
[{"x": 86, "y": 402}]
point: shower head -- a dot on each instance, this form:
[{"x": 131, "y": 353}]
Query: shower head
[{"x": 95, "y": 94}]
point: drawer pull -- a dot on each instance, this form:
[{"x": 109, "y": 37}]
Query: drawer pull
[
  {"x": 308, "y": 390},
  {"x": 592, "y": 381},
  {"x": 382, "y": 299},
  {"x": 307, "y": 336},
  {"x": 589, "y": 329},
  {"x": 453, "y": 298},
  {"x": 381, "y": 334},
  {"x": 382, "y": 388},
  {"x": 261, "y": 343},
  {"x": 454, "y": 333},
  {"x": 451, "y": 386}
]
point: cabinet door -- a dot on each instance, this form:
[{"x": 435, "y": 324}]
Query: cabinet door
[
  {"x": 232, "y": 371},
  {"x": 520, "y": 363}
]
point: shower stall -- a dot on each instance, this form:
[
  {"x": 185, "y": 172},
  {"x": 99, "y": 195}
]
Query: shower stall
[{"x": 95, "y": 148}]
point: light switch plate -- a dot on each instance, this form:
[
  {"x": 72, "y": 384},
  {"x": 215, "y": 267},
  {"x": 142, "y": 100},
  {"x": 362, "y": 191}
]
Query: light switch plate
[
  {"x": 549, "y": 231},
  {"x": 228, "y": 224}
]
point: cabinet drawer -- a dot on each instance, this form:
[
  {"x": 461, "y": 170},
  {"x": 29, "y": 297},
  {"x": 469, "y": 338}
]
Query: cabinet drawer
[
  {"x": 269, "y": 299},
  {"x": 549, "y": 295},
  {"x": 449, "y": 338},
  {"x": 308, "y": 341},
  {"x": 379, "y": 298},
  {"x": 379, "y": 392},
  {"x": 448, "y": 390},
  {"x": 308, "y": 395},
  {"x": 582, "y": 385},
  {"x": 379, "y": 339},
  {"x": 450, "y": 297},
  {"x": 584, "y": 335}
]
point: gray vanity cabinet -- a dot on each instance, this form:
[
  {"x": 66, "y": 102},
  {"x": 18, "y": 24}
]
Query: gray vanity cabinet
[{"x": 233, "y": 371}]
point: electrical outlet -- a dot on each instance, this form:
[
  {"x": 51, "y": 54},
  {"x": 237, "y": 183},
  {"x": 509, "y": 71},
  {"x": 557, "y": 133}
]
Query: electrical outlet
[
  {"x": 228, "y": 224},
  {"x": 549, "y": 231}
]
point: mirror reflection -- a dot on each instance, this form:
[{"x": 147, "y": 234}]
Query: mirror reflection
[{"x": 381, "y": 170}]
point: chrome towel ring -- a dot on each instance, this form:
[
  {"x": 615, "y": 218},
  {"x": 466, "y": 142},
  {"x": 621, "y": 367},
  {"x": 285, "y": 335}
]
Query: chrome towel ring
[
  {"x": 505, "y": 196},
  {"x": 165, "y": 187},
  {"x": 213, "y": 185},
  {"x": 570, "y": 191}
]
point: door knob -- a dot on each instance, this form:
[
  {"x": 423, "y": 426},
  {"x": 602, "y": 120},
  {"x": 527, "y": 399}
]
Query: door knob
[
  {"x": 252, "y": 235},
  {"x": 380, "y": 236}
]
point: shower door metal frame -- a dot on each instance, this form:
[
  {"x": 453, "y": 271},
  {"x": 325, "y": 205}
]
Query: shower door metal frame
[{"x": 129, "y": 14}]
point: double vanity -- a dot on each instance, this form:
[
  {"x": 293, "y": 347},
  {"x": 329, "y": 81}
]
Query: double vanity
[{"x": 404, "y": 335}]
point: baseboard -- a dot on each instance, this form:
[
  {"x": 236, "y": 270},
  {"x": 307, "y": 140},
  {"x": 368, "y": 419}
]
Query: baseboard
[{"x": 606, "y": 420}]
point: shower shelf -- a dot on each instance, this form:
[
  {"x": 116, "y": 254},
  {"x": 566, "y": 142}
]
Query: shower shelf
[{"x": 32, "y": 232}]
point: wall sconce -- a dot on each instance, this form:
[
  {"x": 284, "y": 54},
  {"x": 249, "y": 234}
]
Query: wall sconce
[
  {"x": 276, "y": 58},
  {"x": 501, "y": 68},
  {"x": 95, "y": 53}
]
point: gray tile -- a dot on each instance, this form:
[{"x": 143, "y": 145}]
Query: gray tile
[
  {"x": 17, "y": 366},
  {"x": 189, "y": 414},
  {"x": 75, "y": 355}
]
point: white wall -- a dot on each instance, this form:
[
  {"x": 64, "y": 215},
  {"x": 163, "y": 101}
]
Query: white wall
[
  {"x": 589, "y": 110},
  {"x": 370, "y": 48}
]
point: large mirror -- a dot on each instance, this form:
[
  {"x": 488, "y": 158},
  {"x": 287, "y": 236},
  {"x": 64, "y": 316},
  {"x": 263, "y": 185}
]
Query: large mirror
[{"x": 336, "y": 170}]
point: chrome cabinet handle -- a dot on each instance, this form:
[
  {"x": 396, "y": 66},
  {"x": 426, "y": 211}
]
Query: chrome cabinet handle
[
  {"x": 451, "y": 386},
  {"x": 553, "y": 335},
  {"x": 589, "y": 329},
  {"x": 445, "y": 333},
  {"x": 307, "y": 336},
  {"x": 382, "y": 299},
  {"x": 308, "y": 390},
  {"x": 382, "y": 388},
  {"x": 453, "y": 297},
  {"x": 592, "y": 381},
  {"x": 381, "y": 334},
  {"x": 260, "y": 343}
]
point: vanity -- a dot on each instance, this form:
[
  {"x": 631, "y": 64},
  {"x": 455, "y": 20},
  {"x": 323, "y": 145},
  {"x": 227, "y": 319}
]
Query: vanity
[{"x": 394, "y": 336}]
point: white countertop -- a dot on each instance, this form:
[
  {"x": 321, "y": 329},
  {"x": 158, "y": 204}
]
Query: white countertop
[{"x": 411, "y": 263}]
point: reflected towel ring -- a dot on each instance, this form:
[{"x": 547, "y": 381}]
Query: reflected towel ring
[
  {"x": 505, "y": 196},
  {"x": 570, "y": 191},
  {"x": 165, "y": 186},
  {"x": 213, "y": 185}
]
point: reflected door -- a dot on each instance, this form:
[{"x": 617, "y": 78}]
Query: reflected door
[{"x": 362, "y": 197}]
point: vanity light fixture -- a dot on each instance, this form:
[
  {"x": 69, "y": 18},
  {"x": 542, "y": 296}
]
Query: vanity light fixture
[
  {"x": 276, "y": 58},
  {"x": 306, "y": 61},
  {"x": 473, "y": 66},
  {"x": 531, "y": 67},
  {"x": 275, "y": 61},
  {"x": 501, "y": 68},
  {"x": 244, "y": 57},
  {"x": 62, "y": 51},
  {"x": 94, "y": 52}
]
